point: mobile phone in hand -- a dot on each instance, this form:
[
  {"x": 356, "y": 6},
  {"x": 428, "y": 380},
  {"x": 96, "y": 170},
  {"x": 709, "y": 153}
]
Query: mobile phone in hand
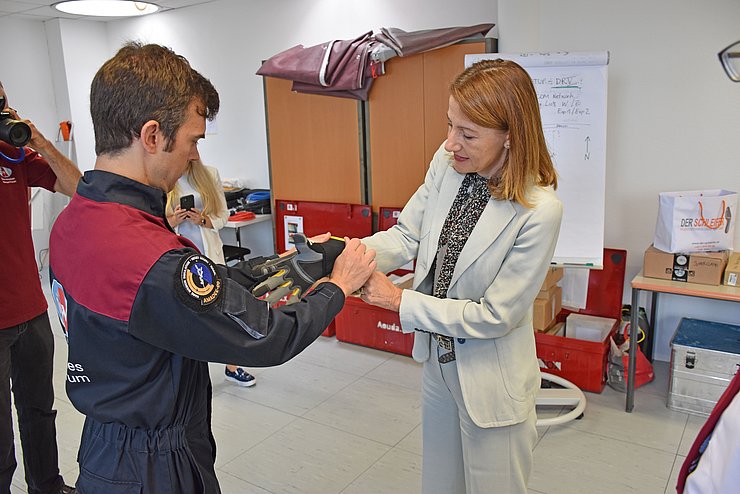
[{"x": 187, "y": 202}]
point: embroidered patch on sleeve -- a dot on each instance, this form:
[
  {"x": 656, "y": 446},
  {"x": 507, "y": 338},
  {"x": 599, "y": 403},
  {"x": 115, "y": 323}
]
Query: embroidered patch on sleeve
[{"x": 198, "y": 283}]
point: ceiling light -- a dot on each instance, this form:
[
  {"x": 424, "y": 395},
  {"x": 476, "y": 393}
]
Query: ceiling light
[{"x": 106, "y": 8}]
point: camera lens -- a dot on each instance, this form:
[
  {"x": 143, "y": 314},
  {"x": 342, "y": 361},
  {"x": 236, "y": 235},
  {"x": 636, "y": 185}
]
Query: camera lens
[{"x": 15, "y": 132}]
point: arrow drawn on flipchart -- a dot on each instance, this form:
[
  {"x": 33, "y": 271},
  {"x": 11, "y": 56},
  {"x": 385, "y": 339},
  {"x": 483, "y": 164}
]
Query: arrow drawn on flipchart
[{"x": 587, "y": 156}]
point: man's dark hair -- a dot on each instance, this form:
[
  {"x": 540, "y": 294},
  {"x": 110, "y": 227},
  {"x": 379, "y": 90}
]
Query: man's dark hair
[{"x": 142, "y": 83}]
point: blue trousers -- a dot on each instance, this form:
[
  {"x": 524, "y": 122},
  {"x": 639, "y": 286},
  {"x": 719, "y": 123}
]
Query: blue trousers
[{"x": 26, "y": 359}]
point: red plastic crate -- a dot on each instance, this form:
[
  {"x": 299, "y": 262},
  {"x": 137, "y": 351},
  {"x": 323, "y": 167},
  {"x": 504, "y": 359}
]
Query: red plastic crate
[
  {"x": 351, "y": 220},
  {"x": 387, "y": 217},
  {"x": 342, "y": 220},
  {"x": 579, "y": 361},
  {"x": 331, "y": 330},
  {"x": 370, "y": 326}
]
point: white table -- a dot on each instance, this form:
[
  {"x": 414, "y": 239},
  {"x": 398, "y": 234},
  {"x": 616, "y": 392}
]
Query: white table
[
  {"x": 238, "y": 225},
  {"x": 657, "y": 286}
]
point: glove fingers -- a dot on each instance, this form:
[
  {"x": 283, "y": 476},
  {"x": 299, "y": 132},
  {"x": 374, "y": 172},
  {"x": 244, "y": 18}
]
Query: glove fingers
[
  {"x": 270, "y": 283},
  {"x": 294, "y": 297},
  {"x": 278, "y": 293}
]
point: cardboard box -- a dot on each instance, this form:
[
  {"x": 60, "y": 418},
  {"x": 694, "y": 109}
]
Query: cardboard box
[
  {"x": 556, "y": 329},
  {"x": 541, "y": 314},
  {"x": 705, "y": 268},
  {"x": 546, "y": 309},
  {"x": 732, "y": 271},
  {"x": 553, "y": 276},
  {"x": 558, "y": 300}
]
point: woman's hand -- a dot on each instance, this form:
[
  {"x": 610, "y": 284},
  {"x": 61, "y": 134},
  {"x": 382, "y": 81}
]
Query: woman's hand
[
  {"x": 379, "y": 290},
  {"x": 179, "y": 216},
  {"x": 196, "y": 217}
]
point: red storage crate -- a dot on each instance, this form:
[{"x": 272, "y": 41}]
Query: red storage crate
[
  {"x": 342, "y": 220},
  {"x": 370, "y": 326},
  {"x": 331, "y": 330},
  {"x": 579, "y": 361},
  {"x": 350, "y": 220},
  {"x": 387, "y": 217}
]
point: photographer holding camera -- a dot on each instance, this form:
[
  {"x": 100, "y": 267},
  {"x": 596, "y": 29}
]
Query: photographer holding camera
[{"x": 26, "y": 340}]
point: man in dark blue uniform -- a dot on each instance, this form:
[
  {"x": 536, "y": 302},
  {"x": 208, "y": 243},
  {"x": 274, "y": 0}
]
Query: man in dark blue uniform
[{"x": 143, "y": 310}]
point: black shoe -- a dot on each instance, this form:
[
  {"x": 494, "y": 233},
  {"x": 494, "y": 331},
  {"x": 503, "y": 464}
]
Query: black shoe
[{"x": 67, "y": 490}]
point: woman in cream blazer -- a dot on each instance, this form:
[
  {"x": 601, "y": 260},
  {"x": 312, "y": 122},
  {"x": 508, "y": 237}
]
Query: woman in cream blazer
[{"x": 472, "y": 313}]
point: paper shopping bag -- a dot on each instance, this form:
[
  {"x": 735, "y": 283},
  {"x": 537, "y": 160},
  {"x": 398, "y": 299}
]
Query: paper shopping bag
[{"x": 696, "y": 221}]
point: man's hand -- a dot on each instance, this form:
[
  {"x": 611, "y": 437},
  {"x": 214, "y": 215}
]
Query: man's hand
[
  {"x": 178, "y": 217},
  {"x": 38, "y": 141},
  {"x": 380, "y": 291},
  {"x": 68, "y": 175},
  {"x": 353, "y": 266}
]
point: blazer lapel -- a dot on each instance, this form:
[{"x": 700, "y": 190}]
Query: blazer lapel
[
  {"x": 494, "y": 219},
  {"x": 450, "y": 185}
]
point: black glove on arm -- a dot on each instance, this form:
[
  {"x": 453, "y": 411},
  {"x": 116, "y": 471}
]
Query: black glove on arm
[{"x": 311, "y": 261}]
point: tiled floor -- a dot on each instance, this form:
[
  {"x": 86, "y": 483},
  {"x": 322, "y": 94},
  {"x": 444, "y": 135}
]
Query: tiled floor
[{"x": 345, "y": 419}]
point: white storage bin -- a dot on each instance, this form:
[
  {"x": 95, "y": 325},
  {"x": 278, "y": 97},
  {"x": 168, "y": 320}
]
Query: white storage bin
[{"x": 589, "y": 328}]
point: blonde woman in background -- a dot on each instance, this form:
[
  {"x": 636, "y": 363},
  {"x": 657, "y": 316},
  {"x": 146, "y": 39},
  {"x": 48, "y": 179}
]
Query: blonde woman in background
[{"x": 201, "y": 224}]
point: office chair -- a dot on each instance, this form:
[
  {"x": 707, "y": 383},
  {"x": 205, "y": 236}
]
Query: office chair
[{"x": 234, "y": 253}]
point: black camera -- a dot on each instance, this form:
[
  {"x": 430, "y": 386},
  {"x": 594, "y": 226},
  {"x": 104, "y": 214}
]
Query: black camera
[{"x": 14, "y": 132}]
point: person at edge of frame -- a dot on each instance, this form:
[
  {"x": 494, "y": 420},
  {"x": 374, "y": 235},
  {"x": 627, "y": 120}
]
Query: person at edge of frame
[{"x": 26, "y": 339}]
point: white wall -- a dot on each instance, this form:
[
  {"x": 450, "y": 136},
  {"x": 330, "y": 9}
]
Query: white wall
[
  {"x": 673, "y": 119},
  {"x": 26, "y": 73},
  {"x": 27, "y": 78},
  {"x": 673, "y": 115},
  {"x": 84, "y": 48},
  {"x": 228, "y": 40}
]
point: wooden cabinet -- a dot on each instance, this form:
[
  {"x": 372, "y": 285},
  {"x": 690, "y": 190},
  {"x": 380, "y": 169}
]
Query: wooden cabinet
[
  {"x": 314, "y": 145},
  {"x": 407, "y": 120},
  {"x": 395, "y": 133},
  {"x": 376, "y": 152}
]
